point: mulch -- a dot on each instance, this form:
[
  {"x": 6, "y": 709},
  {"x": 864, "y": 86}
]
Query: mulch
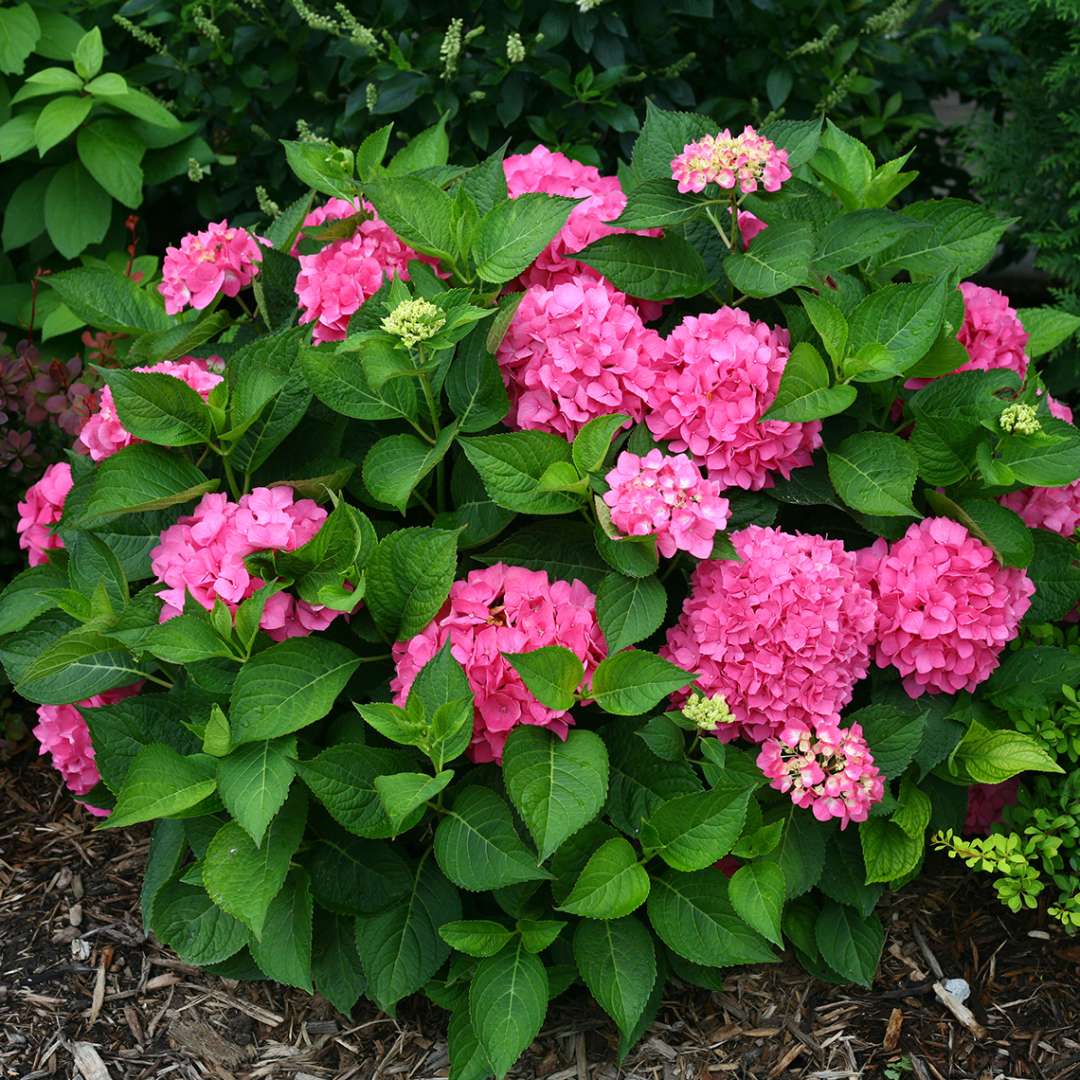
[{"x": 84, "y": 992}]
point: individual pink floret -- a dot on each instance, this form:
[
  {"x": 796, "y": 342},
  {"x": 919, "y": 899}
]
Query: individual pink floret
[
  {"x": 986, "y": 804},
  {"x": 946, "y": 608},
  {"x": 102, "y": 435},
  {"x": 718, "y": 377},
  {"x": 829, "y": 770},
  {"x": 667, "y": 497},
  {"x": 745, "y": 161},
  {"x": 219, "y": 259},
  {"x": 63, "y": 734},
  {"x": 504, "y": 609},
  {"x": 783, "y": 633},
  {"x": 42, "y": 508},
  {"x": 574, "y": 352}
]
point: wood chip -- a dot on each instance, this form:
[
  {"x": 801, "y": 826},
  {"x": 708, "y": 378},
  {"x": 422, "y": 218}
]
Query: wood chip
[
  {"x": 892, "y": 1031},
  {"x": 960, "y": 1011},
  {"x": 88, "y": 1061}
]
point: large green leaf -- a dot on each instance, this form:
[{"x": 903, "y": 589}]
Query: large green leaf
[
  {"x": 617, "y": 960},
  {"x": 653, "y": 268},
  {"x": 159, "y": 408},
  {"x": 611, "y": 884},
  {"x": 692, "y": 832},
  {"x": 629, "y": 609},
  {"x": 778, "y": 259},
  {"x": 408, "y": 579},
  {"x": 849, "y": 943},
  {"x": 756, "y": 891},
  {"x": 144, "y": 477},
  {"x": 875, "y": 473},
  {"x": 630, "y": 683},
  {"x": 335, "y": 963},
  {"x": 112, "y": 154},
  {"x": 513, "y": 232},
  {"x": 77, "y": 213},
  {"x": 160, "y": 783},
  {"x": 194, "y": 927},
  {"x": 511, "y": 466},
  {"x": 283, "y": 953},
  {"x": 254, "y": 781}
]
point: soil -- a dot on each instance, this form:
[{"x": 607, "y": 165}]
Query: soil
[{"x": 84, "y": 992}]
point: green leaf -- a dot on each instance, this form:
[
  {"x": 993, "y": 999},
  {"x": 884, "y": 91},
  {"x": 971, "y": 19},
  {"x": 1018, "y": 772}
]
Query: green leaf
[
  {"x": 612, "y": 883},
  {"x": 477, "y": 847},
  {"x": 875, "y": 473},
  {"x": 474, "y": 386},
  {"x": 893, "y": 735},
  {"x": 992, "y": 757},
  {"x": 476, "y": 937},
  {"x": 508, "y": 999},
  {"x": 335, "y": 963},
  {"x": 664, "y": 738},
  {"x": 288, "y": 686},
  {"x": 513, "y": 232},
  {"x": 757, "y": 894},
  {"x": 799, "y": 137},
  {"x": 89, "y": 54},
  {"x": 905, "y": 319},
  {"x": 395, "y": 465},
  {"x": 1049, "y": 459},
  {"x": 640, "y": 781},
  {"x": 254, "y": 781},
  {"x": 511, "y": 466},
  {"x": 592, "y": 442},
  {"x": 58, "y": 120},
  {"x": 693, "y": 915},
  {"x": 417, "y": 210},
  {"x": 409, "y": 578},
  {"x": 24, "y": 215},
  {"x": 108, "y": 300},
  {"x": 352, "y": 876},
  {"x": 400, "y": 947},
  {"x": 1047, "y": 328},
  {"x": 663, "y": 136},
  {"x": 849, "y": 943},
  {"x": 328, "y": 169},
  {"x": 427, "y": 150},
  {"x": 539, "y": 934},
  {"x": 630, "y": 683},
  {"x": 403, "y": 793},
  {"x": 889, "y": 852},
  {"x": 77, "y": 214},
  {"x": 652, "y": 268},
  {"x": 845, "y": 876},
  {"x": 185, "y": 639},
  {"x": 25, "y": 596},
  {"x": 850, "y": 238},
  {"x": 112, "y": 156},
  {"x": 657, "y": 203},
  {"x": 617, "y": 960},
  {"x": 629, "y": 609},
  {"x": 563, "y": 549},
  {"x": 187, "y": 921},
  {"x": 692, "y": 832},
  {"x": 552, "y": 674},
  {"x": 778, "y": 259},
  {"x": 159, "y": 408},
  {"x": 160, "y": 783},
  {"x": 846, "y": 163},
  {"x": 19, "y": 33},
  {"x": 117, "y": 93},
  {"x": 339, "y": 381},
  {"x": 804, "y": 392},
  {"x": 485, "y": 183},
  {"x": 77, "y": 665},
  {"x": 284, "y": 951},
  {"x": 1055, "y": 572},
  {"x": 143, "y": 477},
  {"x": 800, "y": 853},
  {"x": 243, "y": 878}
]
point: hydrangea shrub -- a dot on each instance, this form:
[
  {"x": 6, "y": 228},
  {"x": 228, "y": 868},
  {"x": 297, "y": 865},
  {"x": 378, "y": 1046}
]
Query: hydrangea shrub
[{"x": 493, "y": 578}]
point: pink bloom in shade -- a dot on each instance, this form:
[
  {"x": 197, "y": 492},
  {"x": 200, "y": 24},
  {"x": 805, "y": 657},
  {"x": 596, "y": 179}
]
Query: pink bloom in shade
[
  {"x": 552, "y": 173},
  {"x": 666, "y": 497},
  {"x": 337, "y": 279},
  {"x": 574, "y": 352},
  {"x": 202, "y": 556},
  {"x": 219, "y": 259},
  {"x": 986, "y": 803},
  {"x": 64, "y": 735},
  {"x": 784, "y": 634},
  {"x": 718, "y": 376},
  {"x": 497, "y": 610},
  {"x": 828, "y": 770},
  {"x": 749, "y": 226},
  {"x": 102, "y": 434},
  {"x": 746, "y": 161},
  {"x": 946, "y": 608},
  {"x": 41, "y": 509}
]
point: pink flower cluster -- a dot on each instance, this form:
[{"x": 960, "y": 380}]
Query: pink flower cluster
[
  {"x": 992, "y": 333},
  {"x": 335, "y": 281},
  {"x": 784, "y": 634},
  {"x": 945, "y": 607},
  {"x": 64, "y": 735},
  {"x": 219, "y": 259},
  {"x": 202, "y": 555},
  {"x": 744, "y": 161},
  {"x": 986, "y": 803},
  {"x": 666, "y": 497},
  {"x": 504, "y": 609},
  {"x": 718, "y": 376},
  {"x": 829, "y": 770},
  {"x": 41, "y": 509},
  {"x": 574, "y": 352},
  {"x": 103, "y": 434}
]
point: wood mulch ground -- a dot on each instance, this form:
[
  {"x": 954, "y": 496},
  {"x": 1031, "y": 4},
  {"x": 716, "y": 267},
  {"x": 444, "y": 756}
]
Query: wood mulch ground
[{"x": 83, "y": 992}]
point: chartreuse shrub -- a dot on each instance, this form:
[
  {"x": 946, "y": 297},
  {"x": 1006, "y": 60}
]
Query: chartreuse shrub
[{"x": 479, "y": 567}]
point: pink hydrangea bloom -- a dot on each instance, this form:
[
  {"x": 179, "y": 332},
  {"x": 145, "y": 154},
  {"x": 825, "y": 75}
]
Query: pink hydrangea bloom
[
  {"x": 64, "y": 735},
  {"x": 202, "y": 555},
  {"x": 750, "y": 225},
  {"x": 784, "y": 634},
  {"x": 102, "y": 435},
  {"x": 718, "y": 376},
  {"x": 829, "y": 770},
  {"x": 744, "y": 161},
  {"x": 552, "y": 173},
  {"x": 986, "y": 803},
  {"x": 666, "y": 496},
  {"x": 946, "y": 608},
  {"x": 334, "y": 282},
  {"x": 574, "y": 352},
  {"x": 219, "y": 259},
  {"x": 497, "y": 610},
  {"x": 41, "y": 508}
]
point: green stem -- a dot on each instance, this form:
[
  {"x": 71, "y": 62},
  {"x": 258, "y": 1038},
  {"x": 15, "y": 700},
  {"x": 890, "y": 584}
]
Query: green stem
[
  {"x": 160, "y": 682},
  {"x": 716, "y": 225},
  {"x": 230, "y": 478}
]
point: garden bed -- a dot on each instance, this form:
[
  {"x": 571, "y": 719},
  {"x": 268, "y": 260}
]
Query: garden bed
[{"x": 79, "y": 977}]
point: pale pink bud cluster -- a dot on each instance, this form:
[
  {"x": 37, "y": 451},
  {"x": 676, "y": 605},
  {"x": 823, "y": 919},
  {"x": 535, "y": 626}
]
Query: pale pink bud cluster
[
  {"x": 574, "y": 352},
  {"x": 218, "y": 259},
  {"x": 41, "y": 509},
  {"x": 828, "y": 770},
  {"x": 203, "y": 554},
  {"x": 63, "y": 734},
  {"x": 666, "y": 496},
  {"x": 718, "y": 376},
  {"x": 783, "y": 632},
  {"x": 946, "y": 608},
  {"x": 504, "y": 609},
  {"x": 102, "y": 435},
  {"x": 745, "y": 161}
]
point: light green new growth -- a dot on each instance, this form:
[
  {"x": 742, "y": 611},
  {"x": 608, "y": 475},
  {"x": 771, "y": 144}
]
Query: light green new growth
[
  {"x": 708, "y": 713},
  {"x": 1020, "y": 419},
  {"x": 414, "y": 321}
]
